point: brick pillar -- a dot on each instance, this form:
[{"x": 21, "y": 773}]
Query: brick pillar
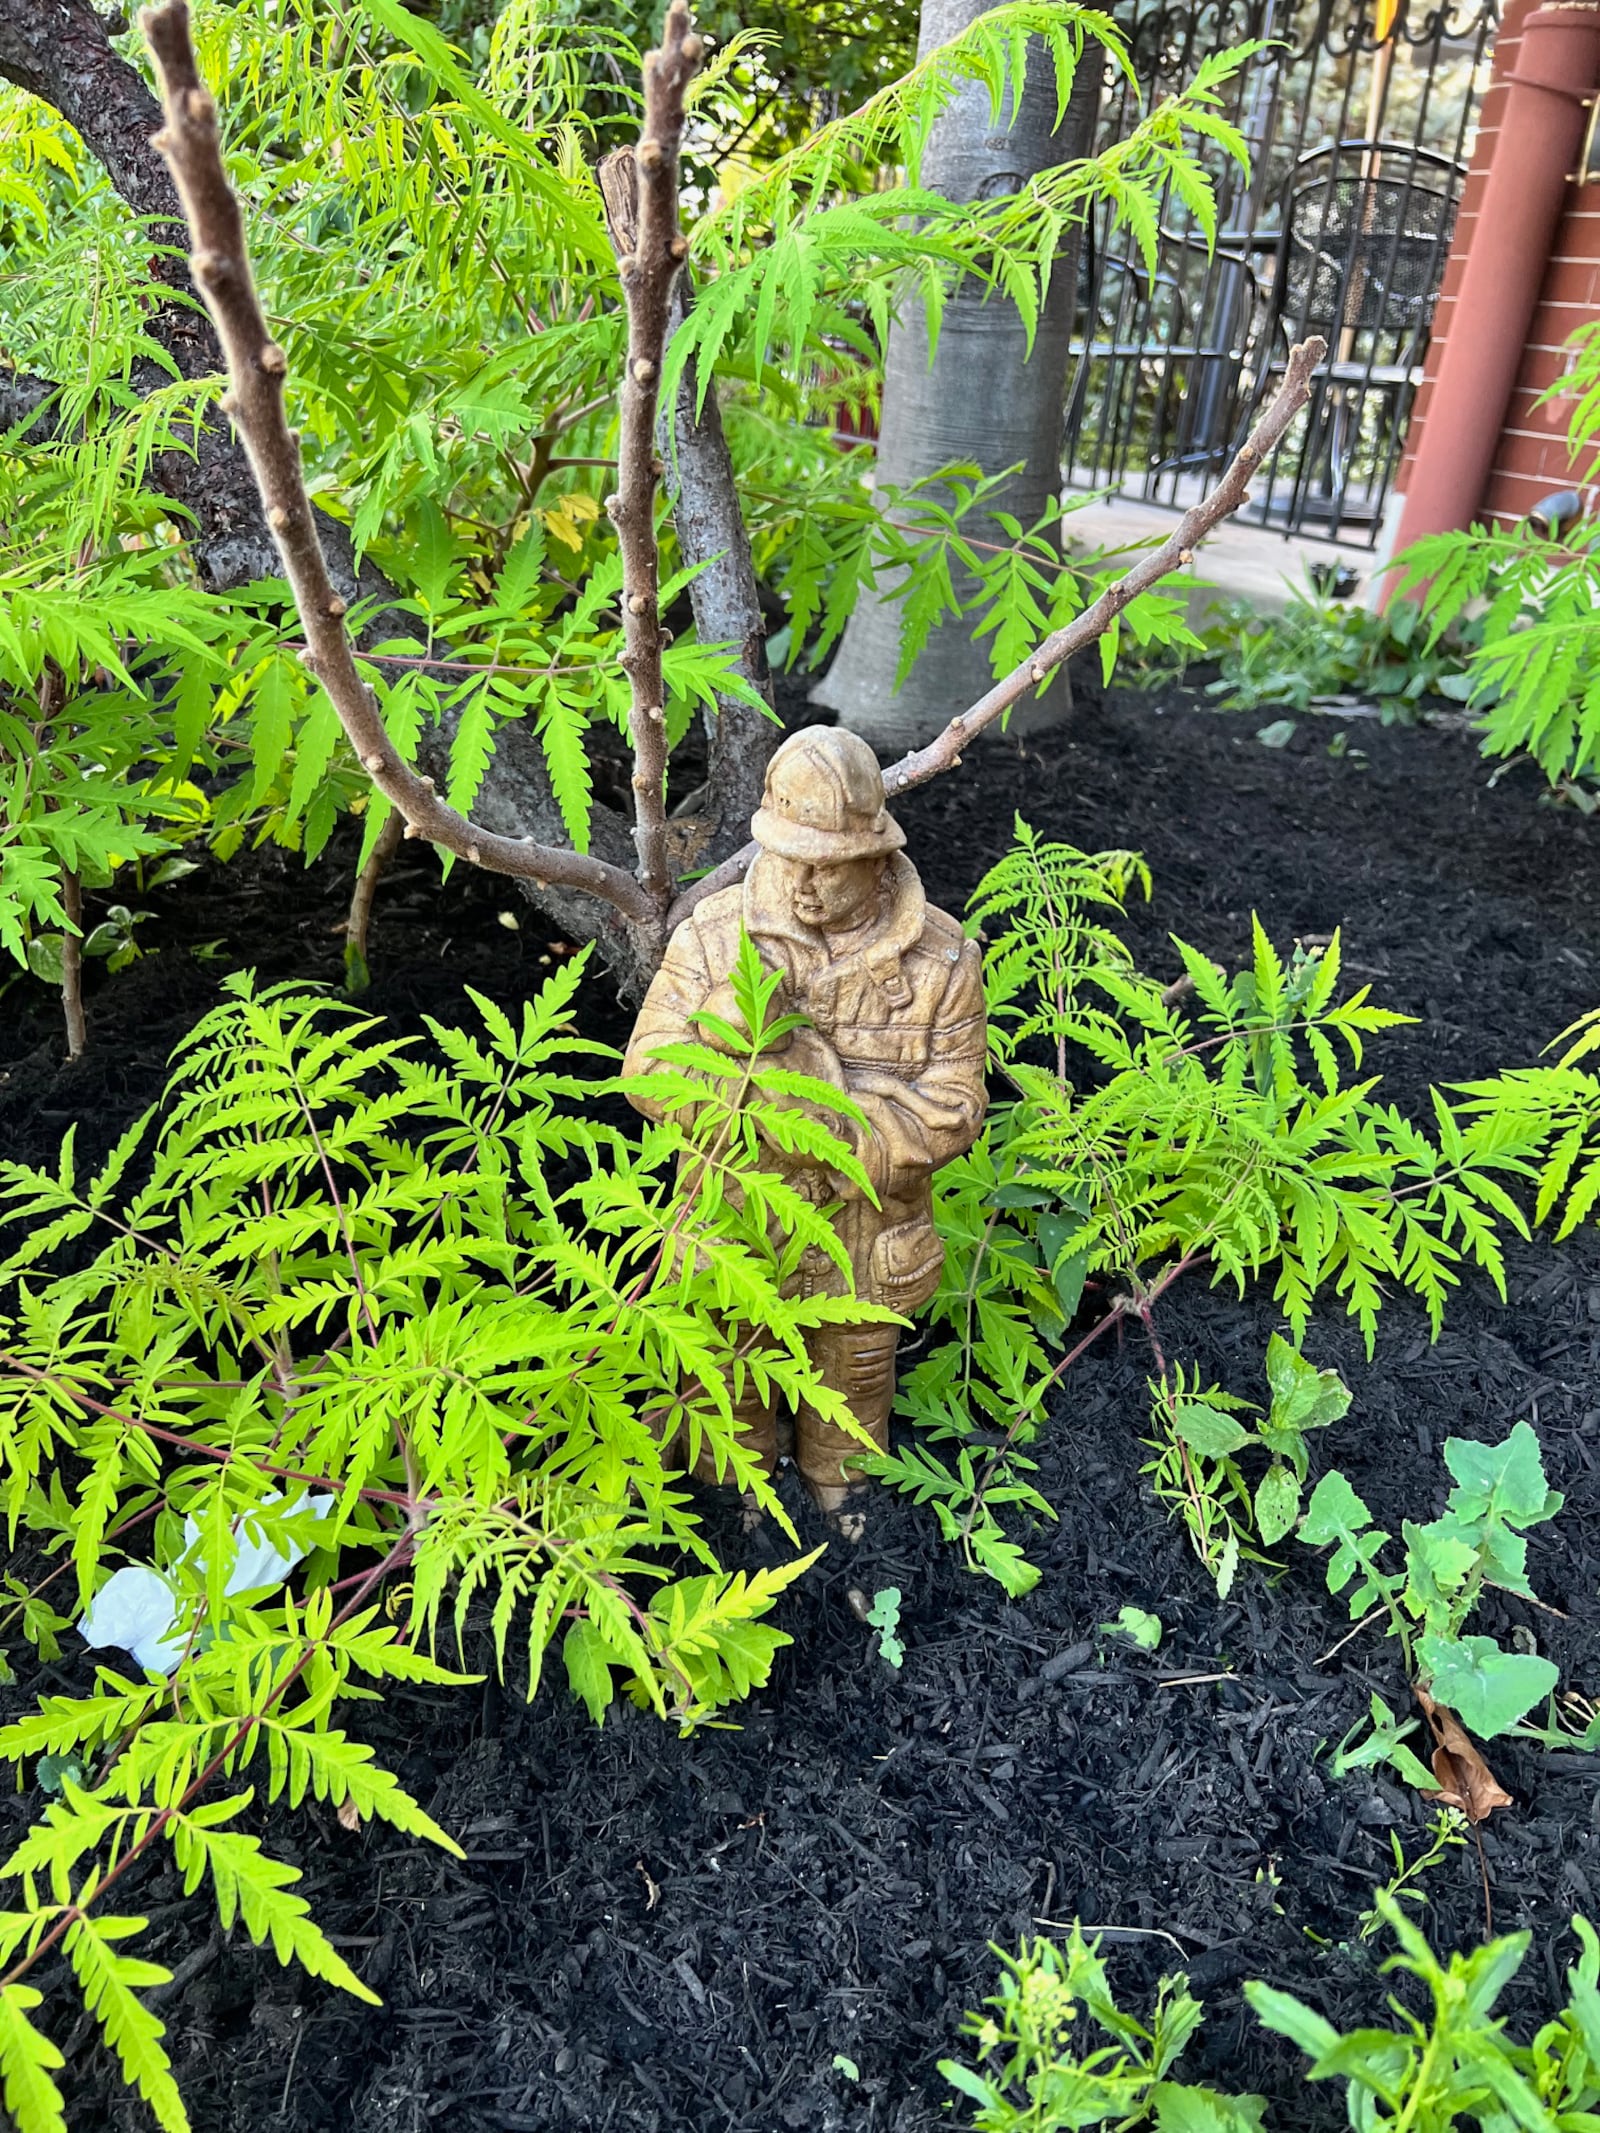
[{"x": 1508, "y": 298}]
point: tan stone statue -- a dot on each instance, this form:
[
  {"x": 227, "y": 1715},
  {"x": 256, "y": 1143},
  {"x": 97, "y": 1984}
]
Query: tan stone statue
[{"x": 893, "y": 993}]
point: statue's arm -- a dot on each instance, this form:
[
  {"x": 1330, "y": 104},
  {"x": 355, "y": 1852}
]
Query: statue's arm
[
  {"x": 680, "y": 988},
  {"x": 922, "y": 1123}
]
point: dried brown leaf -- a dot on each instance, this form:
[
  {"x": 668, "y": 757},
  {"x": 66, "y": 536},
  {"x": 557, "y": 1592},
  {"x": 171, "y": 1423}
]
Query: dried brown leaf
[{"x": 1465, "y": 1779}]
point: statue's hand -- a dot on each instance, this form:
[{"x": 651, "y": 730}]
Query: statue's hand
[
  {"x": 810, "y": 1053},
  {"x": 721, "y": 1005}
]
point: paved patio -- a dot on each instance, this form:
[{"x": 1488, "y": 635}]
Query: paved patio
[{"x": 1235, "y": 561}]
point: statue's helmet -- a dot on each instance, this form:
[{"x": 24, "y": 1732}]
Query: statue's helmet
[{"x": 824, "y": 800}]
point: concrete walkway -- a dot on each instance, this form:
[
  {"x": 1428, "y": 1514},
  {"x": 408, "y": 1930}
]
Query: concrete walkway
[{"x": 1236, "y": 562}]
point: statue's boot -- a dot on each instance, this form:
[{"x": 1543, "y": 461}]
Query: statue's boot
[{"x": 857, "y": 1361}]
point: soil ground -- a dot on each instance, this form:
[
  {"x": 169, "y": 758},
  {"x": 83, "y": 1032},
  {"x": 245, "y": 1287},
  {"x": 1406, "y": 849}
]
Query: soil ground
[{"x": 651, "y": 1933}]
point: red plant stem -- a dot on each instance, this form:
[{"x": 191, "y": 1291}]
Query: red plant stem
[
  {"x": 1121, "y": 1309},
  {"x": 188, "y": 1444}
]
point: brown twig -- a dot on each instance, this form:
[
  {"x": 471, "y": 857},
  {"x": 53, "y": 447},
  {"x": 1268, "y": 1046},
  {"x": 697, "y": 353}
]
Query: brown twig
[
  {"x": 72, "y": 963},
  {"x": 1175, "y": 553},
  {"x": 356, "y": 975},
  {"x": 256, "y": 369},
  {"x": 641, "y": 193}
]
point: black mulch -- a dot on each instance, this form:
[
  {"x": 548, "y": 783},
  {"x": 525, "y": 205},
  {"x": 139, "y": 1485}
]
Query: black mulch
[{"x": 654, "y": 1933}]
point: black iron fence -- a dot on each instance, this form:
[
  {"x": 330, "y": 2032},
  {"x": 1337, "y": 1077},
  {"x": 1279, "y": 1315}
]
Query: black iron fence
[{"x": 1359, "y": 127}]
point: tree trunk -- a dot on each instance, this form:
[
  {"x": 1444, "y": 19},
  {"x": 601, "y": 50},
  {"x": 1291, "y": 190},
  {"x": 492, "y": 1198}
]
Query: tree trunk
[
  {"x": 727, "y": 608},
  {"x": 983, "y": 399}
]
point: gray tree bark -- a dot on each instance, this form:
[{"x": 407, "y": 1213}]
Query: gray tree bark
[
  {"x": 983, "y": 399},
  {"x": 727, "y": 607}
]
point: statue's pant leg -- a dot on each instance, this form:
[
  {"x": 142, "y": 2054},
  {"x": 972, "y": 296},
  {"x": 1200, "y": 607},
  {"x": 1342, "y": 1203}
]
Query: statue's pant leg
[
  {"x": 859, "y": 1362},
  {"x": 757, "y": 1426}
]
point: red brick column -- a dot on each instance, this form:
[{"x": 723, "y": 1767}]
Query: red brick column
[{"x": 1523, "y": 271}]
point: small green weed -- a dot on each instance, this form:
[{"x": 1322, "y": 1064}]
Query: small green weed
[
  {"x": 1138, "y": 1625},
  {"x": 1036, "y": 2073},
  {"x": 1199, "y": 1437},
  {"x": 1500, "y": 1491},
  {"x": 1435, "y": 2072},
  {"x": 1318, "y": 651},
  {"x": 1455, "y": 2065},
  {"x": 884, "y": 1616},
  {"x": 1447, "y": 1832}
]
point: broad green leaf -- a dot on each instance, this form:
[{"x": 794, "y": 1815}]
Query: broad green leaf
[
  {"x": 1181, "y": 2109},
  {"x": 1291, "y": 2018},
  {"x": 1303, "y": 1397},
  {"x": 1277, "y": 1504},
  {"x": 1334, "y": 1512},
  {"x": 1503, "y": 1480},
  {"x": 1487, "y": 1688},
  {"x": 1208, "y": 1430},
  {"x": 971, "y": 2084},
  {"x": 589, "y": 1660},
  {"x": 1137, "y": 1625},
  {"x": 1439, "y": 1559}
]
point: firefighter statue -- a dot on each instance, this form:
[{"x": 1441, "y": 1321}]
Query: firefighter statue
[{"x": 893, "y": 995}]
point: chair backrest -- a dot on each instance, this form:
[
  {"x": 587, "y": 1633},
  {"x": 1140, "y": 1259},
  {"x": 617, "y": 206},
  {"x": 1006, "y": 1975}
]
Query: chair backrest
[{"x": 1366, "y": 238}]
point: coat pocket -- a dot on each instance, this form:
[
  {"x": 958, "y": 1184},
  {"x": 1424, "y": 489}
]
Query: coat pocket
[{"x": 905, "y": 1265}]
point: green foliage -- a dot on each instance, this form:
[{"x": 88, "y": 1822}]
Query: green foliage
[
  {"x": 1530, "y": 598},
  {"x": 827, "y": 540},
  {"x": 884, "y": 1616},
  {"x": 1447, "y": 1832},
  {"x": 1319, "y": 650},
  {"x": 1155, "y": 1131},
  {"x": 1438, "y": 2072},
  {"x": 1032, "y": 2079},
  {"x": 87, "y": 740},
  {"x": 1138, "y": 1625},
  {"x": 1455, "y": 2066},
  {"x": 415, "y": 1318},
  {"x": 1480, "y": 1539},
  {"x": 1199, "y": 1436},
  {"x": 777, "y": 72},
  {"x": 426, "y": 222},
  {"x": 1044, "y": 913},
  {"x": 1228, "y": 1133}
]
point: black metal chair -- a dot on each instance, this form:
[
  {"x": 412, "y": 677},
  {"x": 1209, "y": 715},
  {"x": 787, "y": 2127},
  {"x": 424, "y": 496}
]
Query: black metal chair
[
  {"x": 1364, "y": 237},
  {"x": 1190, "y": 327}
]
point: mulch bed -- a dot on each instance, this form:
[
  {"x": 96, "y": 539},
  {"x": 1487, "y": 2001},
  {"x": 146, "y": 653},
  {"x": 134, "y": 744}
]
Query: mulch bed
[{"x": 650, "y": 1932}]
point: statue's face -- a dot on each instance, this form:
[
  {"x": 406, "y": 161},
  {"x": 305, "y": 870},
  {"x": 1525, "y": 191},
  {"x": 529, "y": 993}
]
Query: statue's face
[{"x": 835, "y": 897}]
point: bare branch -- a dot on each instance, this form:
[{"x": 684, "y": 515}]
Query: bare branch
[
  {"x": 356, "y": 974},
  {"x": 643, "y": 211},
  {"x": 714, "y": 543},
  {"x": 256, "y": 368},
  {"x": 1175, "y": 553}
]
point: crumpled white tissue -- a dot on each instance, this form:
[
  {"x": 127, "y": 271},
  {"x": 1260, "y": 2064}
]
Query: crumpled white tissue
[{"x": 136, "y": 1609}]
